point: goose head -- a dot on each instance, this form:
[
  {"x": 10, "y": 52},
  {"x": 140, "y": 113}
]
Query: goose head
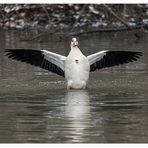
[{"x": 74, "y": 42}]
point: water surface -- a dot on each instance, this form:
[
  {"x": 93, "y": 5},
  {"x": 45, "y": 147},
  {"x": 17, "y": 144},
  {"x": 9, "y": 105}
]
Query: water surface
[{"x": 36, "y": 107}]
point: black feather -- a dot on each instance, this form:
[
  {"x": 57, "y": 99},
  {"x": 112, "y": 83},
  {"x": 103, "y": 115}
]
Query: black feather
[
  {"x": 33, "y": 57},
  {"x": 113, "y": 58}
]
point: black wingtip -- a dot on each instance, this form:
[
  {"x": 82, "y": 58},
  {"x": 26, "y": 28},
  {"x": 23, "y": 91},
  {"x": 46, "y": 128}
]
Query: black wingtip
[
  {"x": 8, "y": 52},
  {"x": 139, "y": 53}
]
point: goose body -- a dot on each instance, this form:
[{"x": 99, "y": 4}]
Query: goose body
[{"x": 76, "y": 67}]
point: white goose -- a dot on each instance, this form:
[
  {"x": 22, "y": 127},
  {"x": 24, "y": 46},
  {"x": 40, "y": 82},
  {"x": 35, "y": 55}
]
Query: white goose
[{"x": 75, "y": 67}]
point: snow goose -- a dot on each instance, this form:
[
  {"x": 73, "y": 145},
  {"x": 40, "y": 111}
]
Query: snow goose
[{"x": 75, "y": 67}]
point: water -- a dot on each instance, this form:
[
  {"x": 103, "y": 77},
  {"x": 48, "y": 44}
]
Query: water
[{"x": 36, "y": 107}]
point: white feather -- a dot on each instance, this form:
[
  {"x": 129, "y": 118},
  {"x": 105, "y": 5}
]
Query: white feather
[
  {"x": 54, "y": 58},
  {"x": 96, "y": 57},
  {"x": 76, "y": 69}
]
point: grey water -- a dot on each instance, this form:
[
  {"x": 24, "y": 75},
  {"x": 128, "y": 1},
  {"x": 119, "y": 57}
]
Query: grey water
[{"x": 35, "y": 106}]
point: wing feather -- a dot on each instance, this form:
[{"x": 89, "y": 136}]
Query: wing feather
[
  {"x": 106, "y": 58},
  {"x": 41, "y": 58}
]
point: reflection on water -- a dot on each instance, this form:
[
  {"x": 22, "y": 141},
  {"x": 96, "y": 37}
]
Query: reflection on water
[
  {"x": 36, "y": 107},
  {"x": 77, "y": 110}
]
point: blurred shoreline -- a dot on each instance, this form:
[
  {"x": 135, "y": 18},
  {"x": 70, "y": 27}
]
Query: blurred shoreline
[{"x": 73, "y": 17}]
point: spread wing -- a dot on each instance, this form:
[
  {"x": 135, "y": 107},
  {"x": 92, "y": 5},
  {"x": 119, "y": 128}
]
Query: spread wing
[
  {"x": 42, "y": 58},
  {"x": 106, "y": 58}
]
